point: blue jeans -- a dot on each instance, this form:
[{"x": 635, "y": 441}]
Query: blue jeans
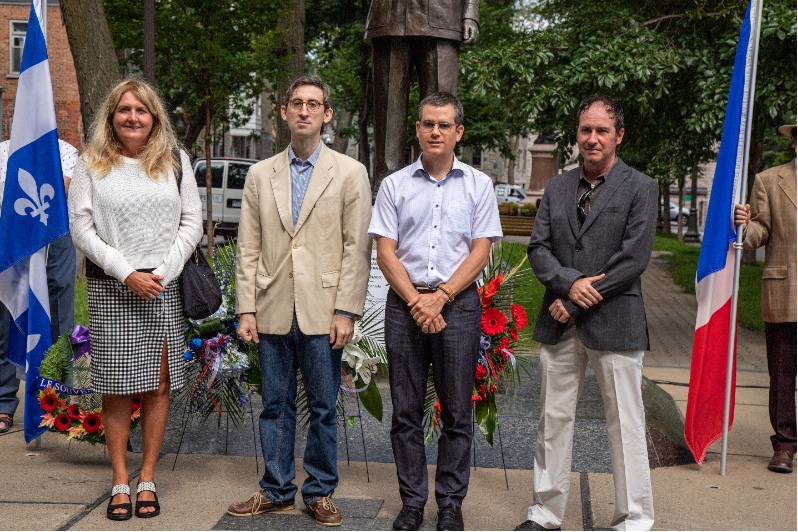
[
  {"x": 9, "y": 384},
  {"x": 453, "y": 354},
  {"x": 280, "y": 357},
  {"x": 61, "y": 285}
]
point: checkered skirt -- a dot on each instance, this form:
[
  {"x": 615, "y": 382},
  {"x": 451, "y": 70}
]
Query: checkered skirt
[{"x": 127, "y": 335}]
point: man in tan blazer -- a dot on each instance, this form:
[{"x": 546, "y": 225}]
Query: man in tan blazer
[
  {"x": 770, "y": 221},
  {"x": 302, "y": 271}
]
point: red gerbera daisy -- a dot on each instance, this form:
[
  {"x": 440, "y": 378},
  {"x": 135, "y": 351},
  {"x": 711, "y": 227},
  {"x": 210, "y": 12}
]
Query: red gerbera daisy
[
  {"x": 62, "y": 422},
  {"x": 488, "y": 290},
  {"x": 48, "y": 400},
  {"x": 514, "y": 334},
  {"x": 519, "y": 316},
  {"x": 74, "y": 411},
  {"x": 92, "y": 422},
  {"x": 136, "y": 401},
  {"x": 493, "y": 321}
]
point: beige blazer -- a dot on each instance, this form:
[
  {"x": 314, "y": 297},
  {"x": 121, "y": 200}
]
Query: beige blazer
[
  {"x": 320, "y": 265},
  {"x": 773, "y": 219}
]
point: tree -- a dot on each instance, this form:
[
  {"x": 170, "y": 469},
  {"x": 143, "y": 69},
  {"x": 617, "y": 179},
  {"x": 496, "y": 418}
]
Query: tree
[
  {"x": 669, "y": 62},
  {"x": 334, "y": 33},
  {"x": 291, "y": 51},
  {"x": 92, "y": 48},
  {"x": 211, "y": 57}
]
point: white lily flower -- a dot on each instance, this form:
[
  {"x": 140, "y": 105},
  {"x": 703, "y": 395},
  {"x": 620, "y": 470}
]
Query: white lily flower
[{"x": 362, "y": 364}]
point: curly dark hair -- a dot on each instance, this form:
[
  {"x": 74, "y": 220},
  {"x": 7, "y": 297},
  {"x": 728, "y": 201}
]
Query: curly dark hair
[{"x": 612, "y": 106}]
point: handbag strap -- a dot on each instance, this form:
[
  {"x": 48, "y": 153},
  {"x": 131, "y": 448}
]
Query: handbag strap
[
  {"x": 176, "y": 155},
  {"x": 179, "y": 161}
]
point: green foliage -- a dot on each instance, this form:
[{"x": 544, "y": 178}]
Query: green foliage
[
  {"x": 682, "y": 262},
  {"x": 81, "y": 301},
  {"x": 668, "y": 62},
  {"x": 485, "y": 414},
  {"x": 210, "y": 54},
  {"x": 57, "y": 359}
]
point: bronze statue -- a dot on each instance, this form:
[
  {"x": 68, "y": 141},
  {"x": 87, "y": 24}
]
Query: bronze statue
[{"x": 407, "y": 33}]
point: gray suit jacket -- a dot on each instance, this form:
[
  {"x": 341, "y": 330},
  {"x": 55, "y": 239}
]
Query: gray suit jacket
[{"x": 615, "y": 239}]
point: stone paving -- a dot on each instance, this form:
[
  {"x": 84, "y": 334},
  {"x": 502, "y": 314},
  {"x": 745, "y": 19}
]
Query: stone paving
[{"x": 219, "y": 463}]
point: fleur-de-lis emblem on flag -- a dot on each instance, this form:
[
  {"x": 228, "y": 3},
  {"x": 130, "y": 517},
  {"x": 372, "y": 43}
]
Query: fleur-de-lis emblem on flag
[{"x": 39, "y": 199}]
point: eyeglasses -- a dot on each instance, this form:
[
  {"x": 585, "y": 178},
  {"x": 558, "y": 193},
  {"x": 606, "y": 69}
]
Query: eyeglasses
[
  {"x": 443, "y": 127},
  {"x": 584, "y": 199},
  {"x": 312, "y": 105}
]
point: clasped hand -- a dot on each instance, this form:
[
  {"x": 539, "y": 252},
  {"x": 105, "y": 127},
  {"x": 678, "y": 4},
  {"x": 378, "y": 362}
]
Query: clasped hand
[
  {"x": 145, "y": 285},
  {"x": 426, "y": 311}
]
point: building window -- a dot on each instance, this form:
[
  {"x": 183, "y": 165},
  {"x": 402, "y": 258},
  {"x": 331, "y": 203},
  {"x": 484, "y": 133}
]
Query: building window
[
  {"x": 476, "y": 158},
  {"x": 16, "y": 42}
]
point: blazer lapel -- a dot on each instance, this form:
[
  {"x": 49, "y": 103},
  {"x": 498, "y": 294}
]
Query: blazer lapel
[
  {"x": 319, "y": 179},
  {"x": 787, "y": 181},
  {"x": 613, "y": 182},
  {"x": 570, "y": 203},
  {"x": 281, "y": 188}
]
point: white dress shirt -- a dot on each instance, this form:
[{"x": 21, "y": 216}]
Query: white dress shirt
[{"x": 434, "y": 222}]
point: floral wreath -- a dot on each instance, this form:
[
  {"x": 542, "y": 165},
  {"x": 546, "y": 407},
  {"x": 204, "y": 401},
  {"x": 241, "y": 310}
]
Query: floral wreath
[
  {"x": 499, "y": 336},
  {"x": 70, "y": 406}
]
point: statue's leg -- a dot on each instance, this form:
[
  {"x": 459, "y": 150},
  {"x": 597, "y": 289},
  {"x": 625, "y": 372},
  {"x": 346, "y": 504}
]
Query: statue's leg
[
  {"x": 438, "y": 67},
  {"x": 391, "y": 60}
]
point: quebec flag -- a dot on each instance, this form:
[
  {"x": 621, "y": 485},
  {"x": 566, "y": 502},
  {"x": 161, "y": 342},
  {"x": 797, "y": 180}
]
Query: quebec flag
[
  {"x": 703, "y": 422},
  {"x": 33, "y": 214}
]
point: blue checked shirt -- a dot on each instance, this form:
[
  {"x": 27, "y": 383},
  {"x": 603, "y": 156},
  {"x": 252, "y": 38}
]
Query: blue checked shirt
[
  {"x": 300, "y": 177},
  {"x": 434, "y": 222}
]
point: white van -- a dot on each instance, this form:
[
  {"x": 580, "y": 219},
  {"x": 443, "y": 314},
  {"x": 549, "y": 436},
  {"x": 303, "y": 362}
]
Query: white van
[
  {"x": 510, "y": 193},
  {"x": 227, "y": 177}
]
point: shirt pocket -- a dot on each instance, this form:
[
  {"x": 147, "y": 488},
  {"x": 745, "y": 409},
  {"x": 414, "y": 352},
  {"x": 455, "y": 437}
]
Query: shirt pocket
[{"x": 457, "y": 217}]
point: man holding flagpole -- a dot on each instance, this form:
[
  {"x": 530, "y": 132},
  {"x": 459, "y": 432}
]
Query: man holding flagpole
[
  {"x": 710, "y": 396},
  {"x": 33, "y": 214},
  {"x": 770, "y": 221}
]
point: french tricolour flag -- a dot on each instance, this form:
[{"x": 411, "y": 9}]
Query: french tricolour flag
[
  {"x": 715, "y": 275},
  {"x": 33, "y": 214}
]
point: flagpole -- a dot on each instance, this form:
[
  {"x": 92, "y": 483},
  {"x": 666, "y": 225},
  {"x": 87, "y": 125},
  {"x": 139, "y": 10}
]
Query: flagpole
[{"x": 756, "y": 23}]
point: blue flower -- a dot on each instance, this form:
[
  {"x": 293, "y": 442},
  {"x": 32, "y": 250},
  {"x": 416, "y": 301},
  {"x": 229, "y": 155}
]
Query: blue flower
[
  {"x": 195, "y": 344},
  {"x": 188, "y": 355}
]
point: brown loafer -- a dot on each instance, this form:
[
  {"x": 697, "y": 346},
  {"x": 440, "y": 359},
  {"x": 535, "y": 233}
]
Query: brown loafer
[
  {"x": 325, "y": 512},
  {"x": 257, "y": 504},
  {"x": 781, "y": 462}
]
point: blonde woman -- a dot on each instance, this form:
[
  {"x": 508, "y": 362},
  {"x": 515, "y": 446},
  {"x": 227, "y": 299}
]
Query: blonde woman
[{"x": 137, "y": 231}]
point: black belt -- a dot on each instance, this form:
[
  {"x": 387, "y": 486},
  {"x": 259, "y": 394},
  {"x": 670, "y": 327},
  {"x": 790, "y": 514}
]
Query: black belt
[
  {"x": 95, "y": 272},
  {"x": 430, "y": 290}
]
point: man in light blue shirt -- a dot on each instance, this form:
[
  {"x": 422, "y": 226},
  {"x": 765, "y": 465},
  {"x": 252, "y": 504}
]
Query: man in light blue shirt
[{"x": 434, "y": 222}]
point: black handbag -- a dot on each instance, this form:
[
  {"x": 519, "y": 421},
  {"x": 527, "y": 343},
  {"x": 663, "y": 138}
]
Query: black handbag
[{"x": 199, "y": 288}]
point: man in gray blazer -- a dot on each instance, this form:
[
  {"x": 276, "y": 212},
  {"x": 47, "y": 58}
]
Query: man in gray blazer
[{"x": 592, "y": 240}]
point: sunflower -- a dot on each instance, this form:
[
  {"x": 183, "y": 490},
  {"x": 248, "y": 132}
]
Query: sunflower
[
  {"x": 74, "y": 411},
  {"x": 136, "y": 401},
  {"x": 62, "y": 422},
  {"x": 48, "y": 400},
  {"x": 92, "y": 422}
]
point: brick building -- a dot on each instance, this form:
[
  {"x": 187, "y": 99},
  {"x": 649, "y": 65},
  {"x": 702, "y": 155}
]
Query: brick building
[{"x": 14, "y": 22}]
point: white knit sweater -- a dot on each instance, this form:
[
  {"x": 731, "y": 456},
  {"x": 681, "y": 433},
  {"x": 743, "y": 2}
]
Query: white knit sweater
[{"x": 127, "y": 221}]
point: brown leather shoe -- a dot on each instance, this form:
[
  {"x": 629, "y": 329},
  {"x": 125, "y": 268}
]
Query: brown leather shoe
[
  {"x": 781, "y": 462},
  {"x": 257, "y": 504},
  {"x": 324, "y": 511}
]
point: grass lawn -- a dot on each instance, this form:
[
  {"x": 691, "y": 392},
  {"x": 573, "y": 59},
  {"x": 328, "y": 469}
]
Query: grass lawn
[{"x": 683, "y": 260}]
